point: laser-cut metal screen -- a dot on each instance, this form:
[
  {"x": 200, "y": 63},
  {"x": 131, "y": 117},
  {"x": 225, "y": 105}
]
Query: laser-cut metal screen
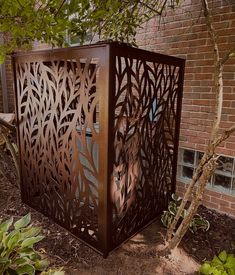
[{"x": 98, "y": 131}]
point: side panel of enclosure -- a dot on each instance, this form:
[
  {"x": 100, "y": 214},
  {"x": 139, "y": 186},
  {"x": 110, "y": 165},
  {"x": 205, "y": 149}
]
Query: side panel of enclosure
[
  {"x": 62, "y": 116},
  {"x": 144, "y": 143}
]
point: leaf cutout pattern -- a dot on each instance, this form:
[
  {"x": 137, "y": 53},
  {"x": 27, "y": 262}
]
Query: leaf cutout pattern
[
  {"x": 145, "y": 141},
  {"x": 59, "y": 133},
  {"x": 98, "y": 137}
]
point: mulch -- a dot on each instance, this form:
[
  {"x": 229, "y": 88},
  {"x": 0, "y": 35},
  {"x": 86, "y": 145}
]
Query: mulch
[
  {"x": 220, "y": 236},
  {"x": 65, "y": 250}
]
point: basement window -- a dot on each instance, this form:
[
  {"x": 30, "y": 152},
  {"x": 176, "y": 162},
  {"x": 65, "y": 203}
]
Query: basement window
[{"x": 223, "y": 179}]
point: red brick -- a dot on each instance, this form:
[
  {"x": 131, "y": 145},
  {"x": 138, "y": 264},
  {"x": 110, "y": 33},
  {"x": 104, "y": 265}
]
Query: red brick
[
  {"x": 228, "y": 211},
  {"x": 206, "y": 198},
  {"x": 213, "y": 194},
  {"x": 220, "y": 202},
  {"x": 228, "y": 198},
  {"x": 230, "y": 145},
  {"x": 200, "y": 147},
  {"x": 211, "y": 205}
]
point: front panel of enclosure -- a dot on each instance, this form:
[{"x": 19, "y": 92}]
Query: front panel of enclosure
[
  {"x": 146, "y": 120},
  {"x": 62, "y": 136}
]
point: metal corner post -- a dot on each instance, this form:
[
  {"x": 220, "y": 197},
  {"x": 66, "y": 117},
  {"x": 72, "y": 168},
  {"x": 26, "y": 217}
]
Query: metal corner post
[
  {"x": 178, "y": 121},
  {"x": 105, "y": 121},
  {"x": 111, "y": 153}
]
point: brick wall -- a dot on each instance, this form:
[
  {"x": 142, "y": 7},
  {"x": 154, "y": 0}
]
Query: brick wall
[
  {"x": 9, "y": 78},
  {"x": 183, "y": 33},
  {"x": 9, "y": 88},
  {"x": 220, "y": 202},
  {"x": 10, "y": 84}
]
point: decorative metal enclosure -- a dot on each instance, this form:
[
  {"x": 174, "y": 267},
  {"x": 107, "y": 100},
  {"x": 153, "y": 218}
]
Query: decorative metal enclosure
[{"x": 98, "y": 131}]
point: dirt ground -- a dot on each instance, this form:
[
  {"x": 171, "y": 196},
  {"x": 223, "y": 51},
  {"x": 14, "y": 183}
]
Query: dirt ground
[{"x": 137, "y": 256}]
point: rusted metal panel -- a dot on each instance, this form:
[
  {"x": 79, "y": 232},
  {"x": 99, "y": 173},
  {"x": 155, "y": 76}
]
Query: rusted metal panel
[{"x": 98, "y": 131}]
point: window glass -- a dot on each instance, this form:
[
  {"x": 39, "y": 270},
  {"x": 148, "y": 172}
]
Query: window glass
[
  {"x": 187, "y": 172},
  {"x": 188, "y": 156},
  {"x": 225, "y": 165},
  {"x": 224, "y": 177},
  {"x": 222, "y": 181}
]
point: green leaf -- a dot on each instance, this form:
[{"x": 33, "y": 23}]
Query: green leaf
[
  {"x": 21, "y": 261},
  {"x": 58, "y": 273},
  {"x": 230, "y": 263},
  {"x": 1, "y": 236},
  {"x": 2, "y": 58},
  {"x": 4, "y": 260},
  {"x": 7, "y": 237},
  {"x": 11, "y": 271},
  {"x": 13, "y": 240},
  {"x": 6, "y": 225},
  {"x": 35, "y": 257},
  {"x": 216, "y": 262},
  {"x": 205, "y": 268},
  {"x": 41, "y": 265},
  {"x": 26, "y": 251},
  {"x": 29, "y": 242},
  {"x": 26, "y": 269},
  {"x": 223, "y": 256},
  {"x": 172, "y": 208},
  {"x": 30, "y": 232},
  {"x": 23, "y": 222}
]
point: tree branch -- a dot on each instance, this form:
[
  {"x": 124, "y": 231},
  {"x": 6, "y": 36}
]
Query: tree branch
[
  {"x": 152, "y": 9},
  {"x": 218, "y": 72},
  {"x": 228, "y": 55},
  {"x": 61, "y": 5},
  {"x": 226, "y": 134},
  {"x": 7, "y": 125}
]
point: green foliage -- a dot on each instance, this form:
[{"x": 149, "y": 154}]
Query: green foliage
[
  {"x": 224, "y": 264},
  {"x": 23, "y": 21},
  {"x": 17, "y": 255},
  {"x": 198, "y": 222}
]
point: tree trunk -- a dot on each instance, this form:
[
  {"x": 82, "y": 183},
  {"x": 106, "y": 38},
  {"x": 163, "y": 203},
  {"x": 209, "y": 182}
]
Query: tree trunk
[
  {"x": 206, "y": 157},
  {"x": 208, "y": 170},
  {"x": 207, "y": 165}
]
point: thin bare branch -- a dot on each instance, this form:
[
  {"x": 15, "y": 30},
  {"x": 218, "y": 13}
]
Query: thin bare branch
[
  {"x": 226, "y": 134},
  {"x": 218, "y": 71},
  {"x": 228, "y": 55},
  {"x": 60, "y": 7},
  {"x": 159, "y": 12},
  {"x": 7, "y": 125},
  {"x": 208, "y": 163}
]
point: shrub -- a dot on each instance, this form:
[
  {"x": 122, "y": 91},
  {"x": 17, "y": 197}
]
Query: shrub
[
  {"x": 198, "y": 222},
  {"x": 224, "y": 264},
  {"x": 17, "y": 255}
]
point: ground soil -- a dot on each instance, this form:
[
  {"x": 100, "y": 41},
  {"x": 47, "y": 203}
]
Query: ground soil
[{"x": 137, "y": 256}]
